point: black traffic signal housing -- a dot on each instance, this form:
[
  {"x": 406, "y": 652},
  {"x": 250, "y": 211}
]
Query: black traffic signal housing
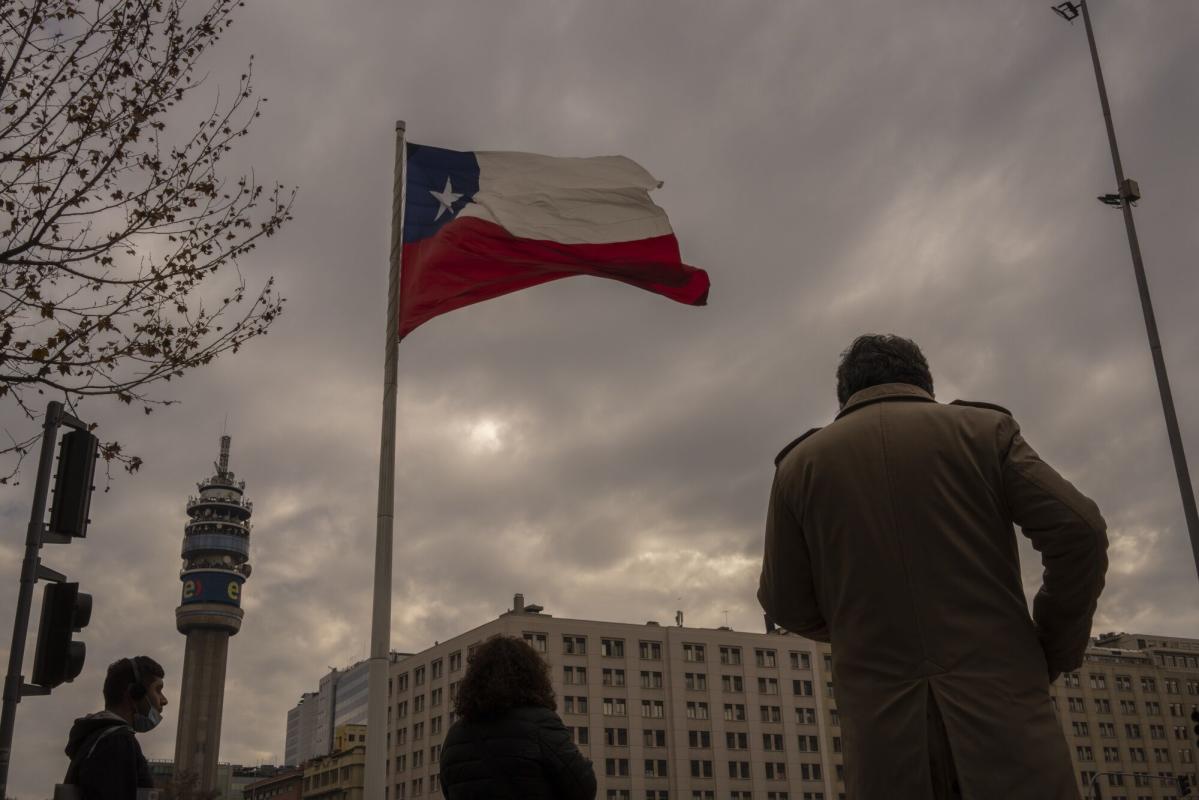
[
  {"x": 1184, "y": 786},
  {"x": 77, "y": 454},
  {"x": 65, "y": 611}
]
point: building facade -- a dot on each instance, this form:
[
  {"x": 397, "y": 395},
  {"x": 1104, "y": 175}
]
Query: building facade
[
  {"x": 341, "y": 774},
  {"x": 1126, "y": 715},
  {"x": 340, "y": 699},
  {"x": 301, "y": 728},
  {"x": 670, "y": 713},
  {"x": 288, "y": 784},
  {"x": 663, "y": 712}
]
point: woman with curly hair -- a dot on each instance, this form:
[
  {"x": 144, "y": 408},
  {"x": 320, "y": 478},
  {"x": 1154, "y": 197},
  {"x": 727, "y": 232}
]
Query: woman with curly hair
[{"x": 508, "y": 743}]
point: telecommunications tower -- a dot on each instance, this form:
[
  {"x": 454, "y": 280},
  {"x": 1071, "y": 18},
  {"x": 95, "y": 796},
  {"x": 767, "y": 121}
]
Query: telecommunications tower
[{"x": 216, "y": 549}]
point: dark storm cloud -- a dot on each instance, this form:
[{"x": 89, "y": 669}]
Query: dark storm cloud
[{"x": 925, "y": 168}]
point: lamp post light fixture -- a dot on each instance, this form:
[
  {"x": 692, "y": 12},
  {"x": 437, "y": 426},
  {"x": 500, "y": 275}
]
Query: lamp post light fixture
[{"x": 1127, "y": 193}]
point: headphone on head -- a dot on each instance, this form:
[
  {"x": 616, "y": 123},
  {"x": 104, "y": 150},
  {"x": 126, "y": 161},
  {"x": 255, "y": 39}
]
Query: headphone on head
[{"x": 137, "y": 689}]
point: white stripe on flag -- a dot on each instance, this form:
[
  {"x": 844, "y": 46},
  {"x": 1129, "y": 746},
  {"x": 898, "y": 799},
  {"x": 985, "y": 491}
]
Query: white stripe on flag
[{"x": 568, "y": 200}]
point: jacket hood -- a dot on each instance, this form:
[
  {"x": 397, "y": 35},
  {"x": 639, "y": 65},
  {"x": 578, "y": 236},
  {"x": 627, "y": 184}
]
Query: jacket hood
[{"x": 86, "y": 726}]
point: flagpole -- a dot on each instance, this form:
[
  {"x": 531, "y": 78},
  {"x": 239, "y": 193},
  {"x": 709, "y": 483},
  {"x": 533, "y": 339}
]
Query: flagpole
[{"x": 377, "y": 698}]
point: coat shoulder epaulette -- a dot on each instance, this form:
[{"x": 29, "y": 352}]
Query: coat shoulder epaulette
[
  {"x": 980, "y": 404},
  {"x": 783, "y": 453}
]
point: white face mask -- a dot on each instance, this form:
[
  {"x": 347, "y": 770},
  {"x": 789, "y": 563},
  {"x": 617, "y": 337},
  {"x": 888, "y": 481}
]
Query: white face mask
[{"x": 148, "y": 721}]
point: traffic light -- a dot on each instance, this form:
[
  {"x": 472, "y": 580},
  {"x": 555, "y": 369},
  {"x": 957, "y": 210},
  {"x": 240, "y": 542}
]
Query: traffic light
[
  {"x": 65, "y": 610},
  {"x": 1184, "y": 786},
  {"x": 77, "y": 453}
]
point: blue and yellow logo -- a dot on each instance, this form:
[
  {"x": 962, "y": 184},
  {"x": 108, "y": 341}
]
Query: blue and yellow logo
[{"x": 212, "y": 587}]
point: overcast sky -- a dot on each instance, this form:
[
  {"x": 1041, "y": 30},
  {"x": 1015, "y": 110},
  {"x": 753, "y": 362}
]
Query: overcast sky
[{"x": 923, "y": 168}]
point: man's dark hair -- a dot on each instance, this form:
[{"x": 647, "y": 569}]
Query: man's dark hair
[
  {"x": 502, "y": 673},
  {"x": 881, "y": 358},
  {"x": 120, "y": 677}
]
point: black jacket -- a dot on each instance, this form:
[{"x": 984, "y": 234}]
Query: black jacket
[
  {"x": 524, "y": 754},
  {"x": 106, "y": 760}
]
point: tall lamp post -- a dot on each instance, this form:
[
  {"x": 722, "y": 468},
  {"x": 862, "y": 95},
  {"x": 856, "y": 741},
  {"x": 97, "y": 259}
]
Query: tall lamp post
[{"x": 1127, "y": 193}]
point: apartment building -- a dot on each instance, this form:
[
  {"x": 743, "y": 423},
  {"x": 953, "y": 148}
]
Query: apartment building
[
  {"x": 664, "y": 712},
  {"x": 1126, "y": 715},
  {"x": 678, "y": 713}
]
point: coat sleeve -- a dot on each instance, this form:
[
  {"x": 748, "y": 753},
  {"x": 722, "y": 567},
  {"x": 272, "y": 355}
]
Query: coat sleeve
[
  {"x": 1066, "y": 528},
  {"x": 570, "y": 771},
  {"x": 786, "y": 589}
]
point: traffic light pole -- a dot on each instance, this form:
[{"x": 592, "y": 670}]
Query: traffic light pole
[{"x": 31, "y": 570}]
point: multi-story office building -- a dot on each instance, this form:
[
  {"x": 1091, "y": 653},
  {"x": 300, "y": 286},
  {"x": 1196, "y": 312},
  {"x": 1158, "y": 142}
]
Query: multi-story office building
[
  {"x": 670, "y": 713},
  {"x": 340, "y": 775},
  {"x": 340, "y": 699},
  {"x": 301, "y": 728},
  {"x": 1126, "y": 715},
  {"x": 664, "y": 712}
]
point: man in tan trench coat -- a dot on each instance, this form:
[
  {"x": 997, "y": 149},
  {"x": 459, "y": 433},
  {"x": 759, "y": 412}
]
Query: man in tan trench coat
[{"x": 890, "y": 535}]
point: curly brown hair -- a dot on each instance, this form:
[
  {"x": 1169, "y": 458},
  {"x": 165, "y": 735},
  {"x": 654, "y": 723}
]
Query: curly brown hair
[{"x": 502, "y": 673}]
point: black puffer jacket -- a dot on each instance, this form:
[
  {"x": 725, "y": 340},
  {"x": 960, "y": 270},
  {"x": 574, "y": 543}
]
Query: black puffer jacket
[{"x": 524, "y": 754}]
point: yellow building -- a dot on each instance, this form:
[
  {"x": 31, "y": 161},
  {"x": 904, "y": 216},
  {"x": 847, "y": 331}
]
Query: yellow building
[{"x": 339, "y": 775}]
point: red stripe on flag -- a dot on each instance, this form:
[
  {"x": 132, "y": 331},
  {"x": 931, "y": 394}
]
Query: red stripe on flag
[{"x": 471, "y": 260}]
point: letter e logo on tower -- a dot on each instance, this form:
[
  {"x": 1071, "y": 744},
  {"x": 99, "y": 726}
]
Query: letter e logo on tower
[{"x": 234, "y": 591}]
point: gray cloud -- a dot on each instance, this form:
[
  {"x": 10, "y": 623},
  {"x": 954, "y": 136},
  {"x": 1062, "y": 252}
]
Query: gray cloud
[{"x": 927, "y": 169}]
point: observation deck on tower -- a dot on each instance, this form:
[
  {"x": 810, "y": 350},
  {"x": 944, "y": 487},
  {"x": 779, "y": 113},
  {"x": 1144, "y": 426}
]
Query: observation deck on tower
[{"x": 216, "y": 550}]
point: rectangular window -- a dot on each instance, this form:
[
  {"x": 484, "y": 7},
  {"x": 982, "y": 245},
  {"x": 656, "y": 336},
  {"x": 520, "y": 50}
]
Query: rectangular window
[
  {"x": 805, "y": 716},
  {"x": 734, "y": 712},
  {"x": 536, "y": 641},
  {"x": 653, "y": 709},
  {"x": 765, "y": 658},
  {"x": 801, "y": 688},
  {"x": 574, "y": 645},
  {"x": 651, "y": 680},
  {"x": 730, "y": 655},
  {"x": 653, "y": 737},
  {"x": 614, "y": 707},
  {"x": 697, "y": 709},
  {"x": 736, "y": 740},
  {"x": 616, "y": 737},
  {"x": 701, "y": 768},
  {"x": 810, "y": 772},
  {"x": 419, "y": 676},
  {"x": 650, "y": 651},
  {"x": 617, "y": 767},
  {"x": 770, "y": 713},
  {"x": 772, "y": 741},
  {"x": 455, "y": 661},
  {"x": 808, "y": 744},
  {"x": 768, "y": 685},
  {"x": 739, "y": 769},
  {"x": 693, "y": 653},
  {"x": 696, "y": 681},
  {"x": 612, "y": 677},
  {"x": 731, "y": 683},
  {"x": 612, "y": 648},
  {"x": 655, "y": 768},
  {"x": 801, "y": 660},
  {"x": 699, "y": 739},
  {"x": 1098, "y": 681},
  {"x": 435, "y": 669},
  {"x": 776, "y": 771}
]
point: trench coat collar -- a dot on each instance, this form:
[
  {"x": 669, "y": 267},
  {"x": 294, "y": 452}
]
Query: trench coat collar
[{"x": 883, "y": 392}]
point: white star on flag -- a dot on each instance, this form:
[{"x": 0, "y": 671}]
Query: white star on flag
[{"x": 446, "y": 197}]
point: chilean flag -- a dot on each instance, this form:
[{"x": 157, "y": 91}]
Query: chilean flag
[{"x": 483, "y": 224}]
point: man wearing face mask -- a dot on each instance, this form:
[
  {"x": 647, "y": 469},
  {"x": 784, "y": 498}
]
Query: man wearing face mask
[{"x": 106, "y": 760}]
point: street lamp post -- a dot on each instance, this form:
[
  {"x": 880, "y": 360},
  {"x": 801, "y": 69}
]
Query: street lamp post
[{"x": 1127, "y": 193}]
